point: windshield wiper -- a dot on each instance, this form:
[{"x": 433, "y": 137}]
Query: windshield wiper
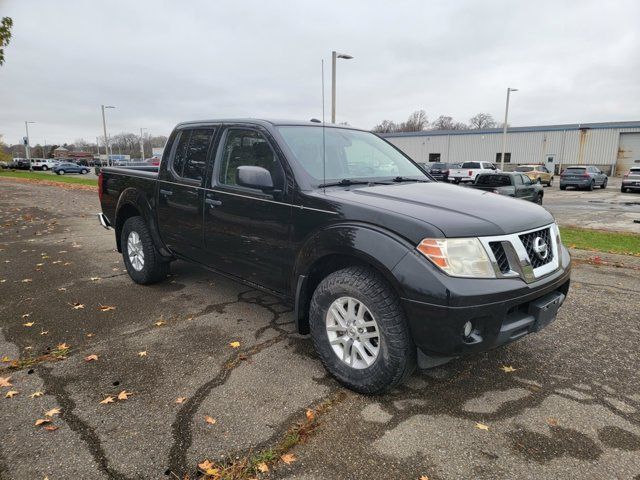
[
  {"x": 407, "y": 179},
  {"x": 347, "y": 182}
]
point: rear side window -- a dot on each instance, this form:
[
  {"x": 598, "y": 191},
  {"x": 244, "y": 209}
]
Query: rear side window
[
  {"x": 471, "y": 165},
  {"x": 190, "y": 159},
  {"x": 493, "y": 180},
  {"x": 518, "y": 179}
]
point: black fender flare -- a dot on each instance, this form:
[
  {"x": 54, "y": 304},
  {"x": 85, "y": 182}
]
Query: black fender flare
[
  {"x": 133, "y": 197},
  {"x": 369, "y": 244}
]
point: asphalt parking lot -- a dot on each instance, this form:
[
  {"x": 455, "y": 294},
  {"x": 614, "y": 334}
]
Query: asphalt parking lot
[{"x": 563, "y": 403}]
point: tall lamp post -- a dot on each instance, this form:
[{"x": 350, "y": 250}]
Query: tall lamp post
[
  {"x": 334, "y": 56},
  {"x": 27, "y": 147},
  {"x": 142, "y": 145},
  {"x": 106, "y": 138},
  {"x": 504, "y": 127}
]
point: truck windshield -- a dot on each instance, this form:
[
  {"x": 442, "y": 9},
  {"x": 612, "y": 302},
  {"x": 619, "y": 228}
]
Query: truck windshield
[{"x": 348, "y": 154}]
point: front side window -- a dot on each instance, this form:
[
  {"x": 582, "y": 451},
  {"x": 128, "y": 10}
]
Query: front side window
[
  {"x": 248, "y": 148},
  {"x": 338, "y": 153}
]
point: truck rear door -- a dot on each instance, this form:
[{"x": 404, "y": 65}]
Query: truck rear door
[{"x": 180, "y": 191}]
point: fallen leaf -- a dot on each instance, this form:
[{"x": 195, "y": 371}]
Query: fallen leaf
[
  {"x": 63, "y": 346},
  {"x": 180, "y": 400},
  {"x": 206, "y": 465},
  {"x": 27, "y": 280},
  {"x": 62, "y": 289},
  {"x": 508, "y": 369},
  {"x": 210, "y": 420},
  {"x": 91, "y": 358},
  {"x": 4, "y": 382},
  {"x": 51, "y": 428},
  {"x": 40, "y": 421},
  {"x": 424, "y": 477},
  {"x": 89, "y": 335},
  {"x": 11, "y": 393},
  {"x": 52, "y": 412},
  {"x": 288, "y": 458},
  {"x": 160, "y": 323},
  {"x": 234, "y": 344},
  {"x": 66, "y": 263},
  {"x": 93, "y": 279},
  {"x": 76, "y": 305},
  {"x": 26, "y": 315},
  {"x": 36, "y": 394},
  {"x": 39, "y": 264},
  {"x": 482, "y": 426},
  {"x": 105, "y": 308},
  {"x": 310, "y": 414},
  {"x": 263, "y": 467},
  {"x": 142, "y": 354},
  {"x": 6, "y": 359},
  {"x": 124, "y": 395},
  {"x": 29, "y": 324},
  {"x": 109, "y": 399},
  {"x": 552, "y": 422}
]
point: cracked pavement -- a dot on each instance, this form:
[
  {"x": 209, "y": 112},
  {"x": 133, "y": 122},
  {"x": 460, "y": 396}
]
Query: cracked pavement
[{"x": 571, "y": 408}]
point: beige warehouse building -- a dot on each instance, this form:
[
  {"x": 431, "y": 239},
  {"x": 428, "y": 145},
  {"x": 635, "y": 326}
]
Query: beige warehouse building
[{"x": 612, "y": 146}]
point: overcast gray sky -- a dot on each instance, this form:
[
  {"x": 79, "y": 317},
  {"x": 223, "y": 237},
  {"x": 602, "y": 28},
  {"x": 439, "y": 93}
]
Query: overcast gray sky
[{"x": 161, "y": 62}]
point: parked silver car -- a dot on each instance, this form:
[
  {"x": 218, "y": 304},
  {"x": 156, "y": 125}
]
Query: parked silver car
[
  {"x": 631, "y": 180},
  {"x": 583, "y": 176}
]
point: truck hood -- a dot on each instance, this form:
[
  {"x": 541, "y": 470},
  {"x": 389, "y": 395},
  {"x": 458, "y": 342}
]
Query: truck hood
[{"x": 456, "y": 211}]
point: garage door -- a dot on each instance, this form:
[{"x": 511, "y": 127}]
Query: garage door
[{"x": 628, "y": 152}]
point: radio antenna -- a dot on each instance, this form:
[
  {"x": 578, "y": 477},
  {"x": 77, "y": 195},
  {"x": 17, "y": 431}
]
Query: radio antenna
[{"x": 324, "y": 160}]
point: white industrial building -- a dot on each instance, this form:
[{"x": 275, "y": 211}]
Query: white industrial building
[{"x": 612, "y": 146}]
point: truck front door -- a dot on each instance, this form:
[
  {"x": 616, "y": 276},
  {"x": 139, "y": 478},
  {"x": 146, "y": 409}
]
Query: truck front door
[
  {"x": 180, "y": 191},
  {"x": 246, "y": 231}
]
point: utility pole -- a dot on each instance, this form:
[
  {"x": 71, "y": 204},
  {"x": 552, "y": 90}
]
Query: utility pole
[
  {"x": 504, "y": 127},
  {"x": 27, "y": 147},
  {"x": 141, "y": 145},
  {"x": 106, "y": 138}
]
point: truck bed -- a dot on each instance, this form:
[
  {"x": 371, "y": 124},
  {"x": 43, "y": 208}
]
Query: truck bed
[{"x": 114, "y": 180}]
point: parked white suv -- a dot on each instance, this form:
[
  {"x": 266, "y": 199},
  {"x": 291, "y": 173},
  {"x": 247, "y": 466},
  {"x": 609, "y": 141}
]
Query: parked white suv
[
  {"x": 43, "y": 163},
  {"x": 468, "y": 171}
]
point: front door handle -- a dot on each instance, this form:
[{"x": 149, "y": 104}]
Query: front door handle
[
  {"x": 213, "y": 202},
  {"x": 166, "y": 192}
]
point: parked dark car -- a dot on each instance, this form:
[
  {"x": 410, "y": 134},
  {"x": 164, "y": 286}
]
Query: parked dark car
[
  {"x": 382, "y": 265},
  {"x": 513, "y": 184},
  {"x": 631, "y": 180},
  {"x": 64, "y": 168},
  {"x": 583, "y": 177},
  {"x": 440, "y": 170}
]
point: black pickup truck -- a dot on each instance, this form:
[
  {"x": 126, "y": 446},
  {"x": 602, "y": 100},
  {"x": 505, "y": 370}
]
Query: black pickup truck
[{"x": 384, "y": 267}]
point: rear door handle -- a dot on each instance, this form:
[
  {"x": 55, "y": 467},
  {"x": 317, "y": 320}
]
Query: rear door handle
[
  {"x": 212, "y": 202},
  {"x": 166, "y": 192}
]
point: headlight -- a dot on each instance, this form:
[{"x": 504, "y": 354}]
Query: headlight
[{"x": 458, "y": 257}]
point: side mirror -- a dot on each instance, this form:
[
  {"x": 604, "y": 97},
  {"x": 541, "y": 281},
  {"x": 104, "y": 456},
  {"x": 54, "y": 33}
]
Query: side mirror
[{"x": 254, "y": 177}]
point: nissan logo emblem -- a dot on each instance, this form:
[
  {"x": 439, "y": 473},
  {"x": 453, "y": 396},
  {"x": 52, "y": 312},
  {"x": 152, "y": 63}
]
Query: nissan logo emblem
[{"x": 541, "y": 248}]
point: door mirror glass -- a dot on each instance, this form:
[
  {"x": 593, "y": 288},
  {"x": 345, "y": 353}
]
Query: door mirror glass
[{"x": 254, "y": 177}]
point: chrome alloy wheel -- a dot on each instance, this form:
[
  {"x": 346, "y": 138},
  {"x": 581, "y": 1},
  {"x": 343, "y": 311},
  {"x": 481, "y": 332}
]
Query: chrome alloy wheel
[
  {"x": 353, "y": 332},
  {"x": 134, "y": 249}
]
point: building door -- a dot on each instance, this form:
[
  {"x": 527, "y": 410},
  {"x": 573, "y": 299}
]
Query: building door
[
  {"x": 550, "y": 163},
  {"x": 628, "y": 152}
]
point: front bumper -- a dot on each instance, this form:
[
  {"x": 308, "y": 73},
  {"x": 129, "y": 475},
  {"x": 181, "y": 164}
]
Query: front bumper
[{"x": 501, "y": 310}]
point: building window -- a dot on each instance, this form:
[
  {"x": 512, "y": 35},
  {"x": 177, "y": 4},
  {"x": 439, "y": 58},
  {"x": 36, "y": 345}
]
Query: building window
[
  {"x": 434, "y": 157},
  {"x": 507, "y": 157}
]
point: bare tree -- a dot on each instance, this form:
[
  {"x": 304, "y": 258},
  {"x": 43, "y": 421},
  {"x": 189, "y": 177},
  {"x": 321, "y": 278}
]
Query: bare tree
[
  {"x": 387, "y": 126},
  {"x": 444, "y": 122},
  {"x": 482, "y": 120},
  {"x": 416, "y": 122}
]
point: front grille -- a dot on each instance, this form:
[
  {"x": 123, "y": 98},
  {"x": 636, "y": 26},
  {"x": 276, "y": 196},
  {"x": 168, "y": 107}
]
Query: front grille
[
  {"x": 529, "y": 241},
  {"x": 501, "y": 257}
]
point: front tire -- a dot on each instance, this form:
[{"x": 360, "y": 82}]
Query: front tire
[
  {"x": 144, "y": 263},
  {"x": 623, "y": 190},
  {"x": 550, "y": 184},
  {"x": 84, "y": 172},
  {"x": 591, "y": 185},
  {"x": 563, "y": 187},
  {"x": 604, "y": 184},
  {"x": 60, "y": 172},
  {"x": 359, "y": 331},
  {"x": 45, "y": 168}
]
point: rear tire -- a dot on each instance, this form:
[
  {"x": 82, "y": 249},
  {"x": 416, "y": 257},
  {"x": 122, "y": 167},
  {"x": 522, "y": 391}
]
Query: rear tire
[
  {"x": 563, "y": 187},
  {"x": 45, "y": 168},
  {"x": 60, "y": 172},
  {"x": 623, "y": 190},
  {"x": 395, "y": 356},
  {"x": 144, "y": 263},
  {"x": 550, "y": 184},
  {"x": 604, "y": 184},
  {"x": 591, "y": 185},
  {"x": 84, "y": 172},
  {"x": 539, "y": 199}
]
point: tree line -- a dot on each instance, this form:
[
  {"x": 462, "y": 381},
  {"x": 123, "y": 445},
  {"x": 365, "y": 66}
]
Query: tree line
[{"x": 419, "y": 121}]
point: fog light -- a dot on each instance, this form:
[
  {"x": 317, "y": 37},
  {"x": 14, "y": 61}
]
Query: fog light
[{"x": 468, "y": 327}]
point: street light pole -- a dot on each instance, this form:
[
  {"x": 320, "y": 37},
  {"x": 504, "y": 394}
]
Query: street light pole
[
  {"x": 504, "y": 127},
  {"x": 106, "y": 138},
  {"x": 141, "y": 145},
  {"x": 27, "y": 147},
  {"x": 334, "y": 56}
]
